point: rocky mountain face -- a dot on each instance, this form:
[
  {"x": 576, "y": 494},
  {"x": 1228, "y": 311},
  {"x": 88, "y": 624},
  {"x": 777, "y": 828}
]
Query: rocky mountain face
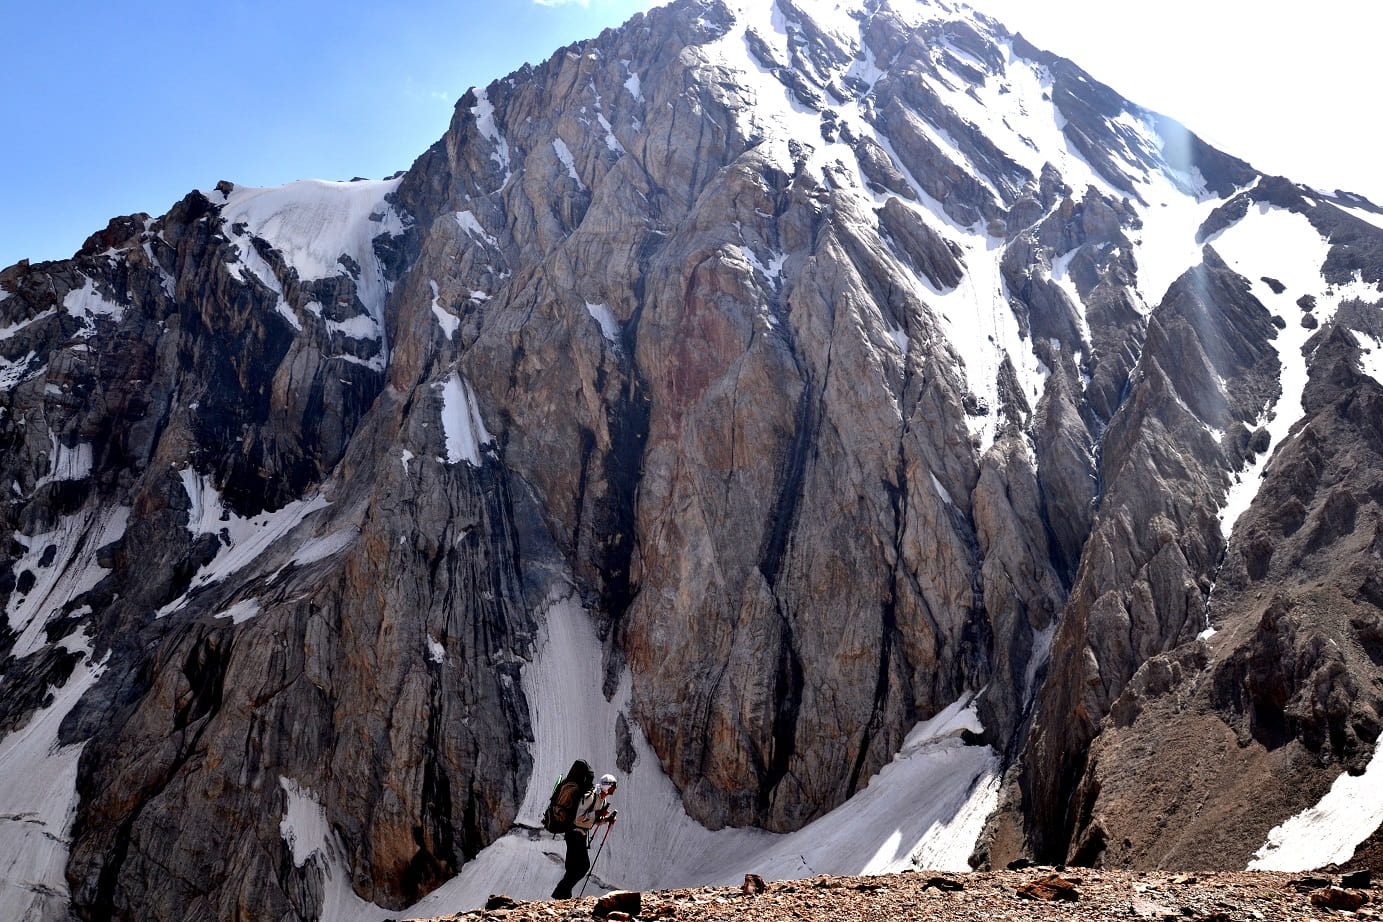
[{"x": 844, "y": 360}]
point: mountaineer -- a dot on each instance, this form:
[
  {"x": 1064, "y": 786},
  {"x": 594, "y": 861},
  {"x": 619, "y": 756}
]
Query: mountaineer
[{"x": 575, "y": 819}]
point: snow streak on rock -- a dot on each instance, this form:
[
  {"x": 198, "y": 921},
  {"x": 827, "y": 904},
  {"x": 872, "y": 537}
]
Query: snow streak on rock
[
  {"x": 61, "y": 564},
  {"x": 313, "y": 842},
  {"x": 242, "y": 541},
  {"x": 38, "y": 800},
  {"x": 465, "y": 430},
  {"x": 1272, "y": 243}
]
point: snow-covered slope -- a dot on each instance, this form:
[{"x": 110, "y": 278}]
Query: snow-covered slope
[{"x": 924, "y": 810}]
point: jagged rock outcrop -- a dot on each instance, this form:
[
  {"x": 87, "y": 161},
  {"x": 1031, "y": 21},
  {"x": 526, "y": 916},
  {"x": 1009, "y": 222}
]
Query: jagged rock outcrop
[
  {"x": 1290, "y": 681},
  {"x": 843, "y": 367}
]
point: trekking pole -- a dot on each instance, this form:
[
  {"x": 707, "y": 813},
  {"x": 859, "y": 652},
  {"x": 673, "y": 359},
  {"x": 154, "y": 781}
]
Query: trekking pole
[{"x": 597, "y": 853}]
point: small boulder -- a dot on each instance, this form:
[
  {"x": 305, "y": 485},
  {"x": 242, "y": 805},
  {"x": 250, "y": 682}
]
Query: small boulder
[
  {"x": 943, "y": 883},
  {"x": 1338, "y": 898},
  {"x": 753, "y": 885},
  {"x": 500, "y": 901},
  {"x": 1051, "y": 887},
  {"x": 1144, "y": 908},
  {"x": 629, "y": 902},
  {"x": 1357, "y": 880}
]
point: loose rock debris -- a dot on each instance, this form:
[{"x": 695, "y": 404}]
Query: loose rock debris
[{"x": 1072, "y": 895}]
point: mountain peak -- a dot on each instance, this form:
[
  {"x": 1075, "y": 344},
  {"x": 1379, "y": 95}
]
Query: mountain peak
[{"x": 875, "y": 441}]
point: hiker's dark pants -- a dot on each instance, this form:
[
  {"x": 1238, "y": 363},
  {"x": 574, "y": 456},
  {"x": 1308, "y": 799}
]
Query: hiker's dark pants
[{"x": 578, "y": 863}]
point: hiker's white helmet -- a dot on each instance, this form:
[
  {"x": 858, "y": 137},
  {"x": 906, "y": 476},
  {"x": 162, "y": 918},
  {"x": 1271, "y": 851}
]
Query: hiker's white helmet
[{"x": 607, "y": 783}]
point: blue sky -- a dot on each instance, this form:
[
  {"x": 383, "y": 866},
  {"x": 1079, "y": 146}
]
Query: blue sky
[{"x": 113, "y": 108}]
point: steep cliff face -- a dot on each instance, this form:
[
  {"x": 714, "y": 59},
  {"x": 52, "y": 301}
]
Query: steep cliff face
[{"x": 845, "y": 362}]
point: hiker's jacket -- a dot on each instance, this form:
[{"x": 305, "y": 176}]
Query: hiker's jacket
[{"x": 591, "y": 811}]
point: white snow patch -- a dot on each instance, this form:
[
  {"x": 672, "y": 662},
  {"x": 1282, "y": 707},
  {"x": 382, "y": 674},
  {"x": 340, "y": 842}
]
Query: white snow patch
[
  {"x": 484, "y": 113},
  {"x": 206, "y": 515},
  {"x": 241, "y": 611},
  {"x": 313, "y": 840},
  {"x": 165, "y": 280},
  {"x": 374, "y": 363},
  {"x": 1371, "y": 355},
  {"x": 1329, "y": 832},
  {"x": 900, "y": 339},
  {"x": 313, "y": 223},
  {"x": 1166, "y": 246},
  {"x": 941, "y": 491},
  {"x": 87, "y": 304},
  {"x": 448, "y": 321},
  {"x": 283, "y": 310},
  {"x": 1369, "y": 216},
  {"x": 611, "y": 141},
  {"x": 609, "y": 325},
  {"x": 321, "y": 548},
  {"x": 564, "y": 155},
  {"x": 926, "y": 809},
  {"x": 7, "y": 332},
  {"x": 465, "y": 430},
  {"x": 633, "y": 85},
  {"x": 772, "y": 270},
  {"x": 361, "y": 326},
  {"x": 471, "y": 225},
  {"x": 13, "y": 373},
  {"x": 66, "y": 463},
  {"x": 405, "y": 457},
  {"x": 435, "y": 651},
  {"x": 1061, "y": 277},
  {"x": 38, "y": 801}
]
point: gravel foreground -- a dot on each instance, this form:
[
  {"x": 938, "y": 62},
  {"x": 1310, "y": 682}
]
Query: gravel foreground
[{"x": 1040, "y": 893}]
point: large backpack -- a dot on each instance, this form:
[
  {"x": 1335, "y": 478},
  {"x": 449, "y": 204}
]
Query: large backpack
[{"x": 560, "y": 815}]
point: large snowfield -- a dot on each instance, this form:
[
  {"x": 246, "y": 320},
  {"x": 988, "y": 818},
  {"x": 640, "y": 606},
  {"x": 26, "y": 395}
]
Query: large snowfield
[{"x": 926, "y": 809}]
